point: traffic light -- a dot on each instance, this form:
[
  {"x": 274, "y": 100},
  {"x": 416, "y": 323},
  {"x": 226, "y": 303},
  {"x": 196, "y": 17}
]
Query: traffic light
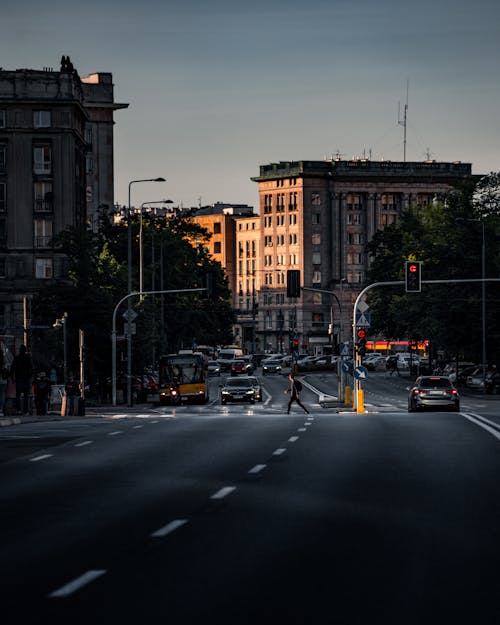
[
  {"x": 293, "y": 283},
  {"x": 413, "y": 276},
  {"x": 361, "y": 342}
]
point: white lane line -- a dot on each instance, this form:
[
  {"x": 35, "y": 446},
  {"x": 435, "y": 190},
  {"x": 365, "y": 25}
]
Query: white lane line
[
  {"x": 293, "y": 439},
  {"x": 302, "y": 430},
  {"x": 257, "y": 468},
  {"x": 114, "y": 433},
  {"x": 475, "y": 420},
  {"x": 136, "y": 427},
  {"x": 76, "y": 584},
  {"x": 169, "y": 528},
  {"x": 223, "y": 492},
  {"x": 310, "y": 418},
  {"x": 279, "y": 451},
  {"x": 37, "y": 458},
  {"x": 307, "y": 423},
  {"x": 154, "y": 422},
  {"x": 83, "y": 443}
]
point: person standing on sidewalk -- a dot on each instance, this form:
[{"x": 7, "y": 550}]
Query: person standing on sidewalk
[
  {"x": 21, "y": 373},
  {"x": 294, "y": 390}
]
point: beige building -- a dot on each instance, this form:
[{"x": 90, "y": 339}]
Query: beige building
[
  {"x": 317, "y": 216},
  {"x": 56, "y": 170}
]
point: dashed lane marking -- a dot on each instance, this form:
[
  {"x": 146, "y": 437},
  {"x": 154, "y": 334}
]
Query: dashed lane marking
[
  {"x": 169, "y": 528},
  {"x": 76, "y": 584}
]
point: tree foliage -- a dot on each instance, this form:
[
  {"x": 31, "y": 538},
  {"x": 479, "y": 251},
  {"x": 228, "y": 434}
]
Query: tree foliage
[
  {"x": 448, "y": 238},
  {"x": 98, "y": 278}
]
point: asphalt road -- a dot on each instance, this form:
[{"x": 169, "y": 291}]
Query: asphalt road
[{"x": 243, "y": 514}]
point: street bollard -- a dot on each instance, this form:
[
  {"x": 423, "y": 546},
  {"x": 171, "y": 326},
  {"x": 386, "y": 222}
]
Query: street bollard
[{"x": 361, "y": 400}]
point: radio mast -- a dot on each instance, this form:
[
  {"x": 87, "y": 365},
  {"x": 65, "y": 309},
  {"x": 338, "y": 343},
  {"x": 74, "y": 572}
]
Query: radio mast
[{"x": 402, "y": 122}]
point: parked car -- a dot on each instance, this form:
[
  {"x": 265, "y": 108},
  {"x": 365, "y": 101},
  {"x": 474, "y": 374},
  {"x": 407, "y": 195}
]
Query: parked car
[
  {"x": 436, "y": 391},
  {"x": 256, "y": 385},
  {"x": 237, "y": 389},
  {"x": 213, "y": 367},
  {"x": 475, "y": 379},
  {"x": 241, "y": 366},
  {"x": 272, "y": 366}
]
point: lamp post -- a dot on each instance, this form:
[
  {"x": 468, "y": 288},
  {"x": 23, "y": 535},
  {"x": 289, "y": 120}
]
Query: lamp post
[
  {"x": 129, "y": 287},
  {"x": 483, "y": 294},
  {"x": 58, "y": 324},
  {"x": 141, "y": 247}
]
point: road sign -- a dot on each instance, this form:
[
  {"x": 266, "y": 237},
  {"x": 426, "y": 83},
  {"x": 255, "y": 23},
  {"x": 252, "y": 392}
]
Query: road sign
[
  {"x": 129, "y": 328},
  {"x": 129, "y": 315},
  {"x": 360, "y": 373},
  {"x": 345, "y": 367},
  {"x": 363, "y": 320},
  {"x": 344, "y": 349},
  {"x": 362, "y": 306}
]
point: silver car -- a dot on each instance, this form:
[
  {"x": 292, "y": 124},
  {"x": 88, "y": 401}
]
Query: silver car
[{"x": 433, "y": 391}]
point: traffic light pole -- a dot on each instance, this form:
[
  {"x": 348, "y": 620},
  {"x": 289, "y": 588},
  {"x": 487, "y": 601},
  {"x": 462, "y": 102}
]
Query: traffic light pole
[{"x": 356, "y": 357}]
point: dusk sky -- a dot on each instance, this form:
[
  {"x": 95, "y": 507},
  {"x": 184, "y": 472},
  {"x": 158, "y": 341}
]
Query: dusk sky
[{"x": 217, "y": 88}]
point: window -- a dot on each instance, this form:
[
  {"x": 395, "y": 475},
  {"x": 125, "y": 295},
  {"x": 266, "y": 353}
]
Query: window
[
  {"x": 353, "y": 219},
  {"x": 3, "y": 197},
  {"x": 42, "y": 159},
  {"x": 2, "y": 118},
  {"x": 89, "y": 164},
  {"x": 353, "y": 201},
  {"x": 43, "y": 268},
  {"x": 2, "y": 275},
  {"x": 316, "y": 258},
  {"x": 217, "y": 247},
  {"x": 316, "y": 277},
  {"x": 316, "y": 219},
  {"x": 43, "y": 197},
  {"x": 318, "y": 320},
  {"x": 3, "y": 157},
  {"x": 41, "y": 119},
  {"x": 3, "y": 233},
  {"x": 217, "y": 227},
  {"x": 43, "y": 232},
  {"x": 293, "y": 239},
  {"x": 316, "y": 238},
  {"x": 315, "y": 199},
  {"x": 292, "y": 220},
  {"x": 88, "y": 135}
]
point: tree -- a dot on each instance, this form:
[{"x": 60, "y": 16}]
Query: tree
[{"x": 443, "y": 237}]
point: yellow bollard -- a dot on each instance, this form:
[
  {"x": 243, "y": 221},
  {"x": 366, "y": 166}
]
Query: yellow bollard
[
  {"x": 361, "y": 400},
  {"x": 347, "y": 395}
]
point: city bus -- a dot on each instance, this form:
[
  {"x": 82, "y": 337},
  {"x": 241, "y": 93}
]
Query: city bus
[{"x": 183, "y": 378}]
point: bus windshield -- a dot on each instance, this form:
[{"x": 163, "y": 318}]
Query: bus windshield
[{"x": 181, "y": 369}]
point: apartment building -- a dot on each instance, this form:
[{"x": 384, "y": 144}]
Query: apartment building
[
  {"x": 56, "y": 171},
  {"x": 317, "y": 216}
]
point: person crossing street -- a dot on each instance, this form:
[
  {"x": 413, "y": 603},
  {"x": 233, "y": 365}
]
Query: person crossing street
[{"x": 294, "y": 390}]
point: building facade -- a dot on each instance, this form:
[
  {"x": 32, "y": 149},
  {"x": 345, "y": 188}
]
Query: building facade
[
  {"x": 316, "y": 217},
  {"x": 56, "y": 171}
]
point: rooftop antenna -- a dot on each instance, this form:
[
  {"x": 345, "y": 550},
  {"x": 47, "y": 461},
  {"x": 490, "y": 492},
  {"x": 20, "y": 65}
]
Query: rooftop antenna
[{"x": 402, "y": 122}]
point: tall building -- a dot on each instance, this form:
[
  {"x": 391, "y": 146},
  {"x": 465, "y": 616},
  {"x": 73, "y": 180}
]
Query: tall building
[
  {"x": 56, "y": 171},
  {"x": 316, "y": 217}
]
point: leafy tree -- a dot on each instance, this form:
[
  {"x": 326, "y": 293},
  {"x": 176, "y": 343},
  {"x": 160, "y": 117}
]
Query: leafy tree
[{"x": 447, "y": 238}]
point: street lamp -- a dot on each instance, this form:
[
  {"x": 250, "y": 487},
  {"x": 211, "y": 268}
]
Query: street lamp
[
  {"x": 129, "y": 288},
  {"x": 483, "y": 292},
  {"x": 141, "y": 261},
  {"x": 61, "y": 323}
]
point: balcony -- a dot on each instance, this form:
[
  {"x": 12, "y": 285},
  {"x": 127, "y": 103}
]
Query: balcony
[{"x": 44, "y": 206}]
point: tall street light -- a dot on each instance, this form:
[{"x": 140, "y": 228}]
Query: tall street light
[
  {"x": 483, "y": 293},
  {"x": 129, "y": 288},
  {"x": 141, "y": 260}
]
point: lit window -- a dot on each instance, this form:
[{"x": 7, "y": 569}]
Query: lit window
[
  {"x": 43, "y": 268},
  {"x": 42, "y": 159}
]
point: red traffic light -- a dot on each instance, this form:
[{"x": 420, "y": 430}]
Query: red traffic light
[
  {"x": 413, "y": 268},
  {"x": 361, "y": 334}
]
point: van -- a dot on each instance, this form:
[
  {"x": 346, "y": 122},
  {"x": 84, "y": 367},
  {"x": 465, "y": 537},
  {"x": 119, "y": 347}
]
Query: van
[{"x": 226, "y": 357}]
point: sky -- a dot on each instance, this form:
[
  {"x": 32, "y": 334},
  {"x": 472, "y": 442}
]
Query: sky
[{"x": 217, "y": 88}]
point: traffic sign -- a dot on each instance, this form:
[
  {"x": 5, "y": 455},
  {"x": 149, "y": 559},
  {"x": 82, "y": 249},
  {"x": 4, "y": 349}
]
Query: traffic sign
[
  {"x": 129, "y": 328},
  {"x": 129, "y": 315},
  {"x": 360, "y": 373},
  {"x": 345, "y": 367},
  {"x": 363, "y": 320},
  {"x": 344, "y": 349}
]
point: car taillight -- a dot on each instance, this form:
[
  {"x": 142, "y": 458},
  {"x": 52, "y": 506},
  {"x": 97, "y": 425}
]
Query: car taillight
[
  {"x": 419, "y": 391},
  {"x": 451, "y": 391}
]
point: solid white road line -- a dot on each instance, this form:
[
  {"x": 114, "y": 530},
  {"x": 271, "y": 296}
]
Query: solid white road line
[
  {"x": 475, "y": 419},
  {"x": 257, "y": 468},
  {"x": 77, "y": 583},
  {"x": 169, "y": 528},
  {"x": 37, "y": 458},
  {"x": 83, "y": 443},
  {"x": 223, "y": 492}
]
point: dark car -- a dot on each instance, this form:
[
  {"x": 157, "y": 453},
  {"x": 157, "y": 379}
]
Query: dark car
[
  {"x": 237, "y": 389},
  {"x": 433, "y": 392},
  {"x": 256, "y": 385},
  {"x": 213, "y": 368},
  {"x": 272, "y": 366},
  {"x": 241, "y": 366}
]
